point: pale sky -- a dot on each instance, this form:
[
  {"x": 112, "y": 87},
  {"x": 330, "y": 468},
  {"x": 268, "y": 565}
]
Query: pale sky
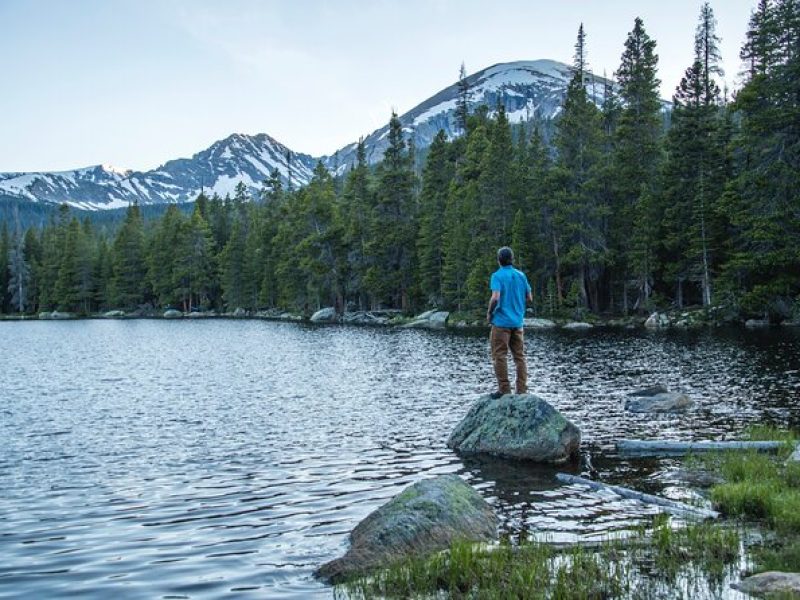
[{"x": 134, "y": 83}]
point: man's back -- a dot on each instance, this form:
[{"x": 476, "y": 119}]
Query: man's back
[{"x": 513, "y": 287}]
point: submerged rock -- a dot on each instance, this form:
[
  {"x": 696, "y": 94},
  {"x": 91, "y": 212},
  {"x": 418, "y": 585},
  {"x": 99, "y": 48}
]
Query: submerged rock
[
  {"x": 657, "y": 399},
  {"x": 172, "y": 314},
  {"x": 325, "y": 315},
  {"x": 519, "y": 426},
  {"x": 432, "y": 319},
  {"x": 770, "y": 583},
  {"x": 424, "y": 518}
]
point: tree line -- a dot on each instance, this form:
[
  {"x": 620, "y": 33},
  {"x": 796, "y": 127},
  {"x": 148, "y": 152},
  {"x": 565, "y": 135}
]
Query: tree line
[{"x": 623, "y": 207}]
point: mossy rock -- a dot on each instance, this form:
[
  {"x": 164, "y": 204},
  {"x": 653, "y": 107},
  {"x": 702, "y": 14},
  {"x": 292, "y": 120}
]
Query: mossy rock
[
  {"x": 424, "y": 518},
  {"x": 519, "y": 426}
]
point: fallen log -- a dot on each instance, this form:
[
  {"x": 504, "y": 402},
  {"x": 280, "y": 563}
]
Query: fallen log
[
  {"x": 670, "y": 506},
  {"x": 670, "y": 448}
]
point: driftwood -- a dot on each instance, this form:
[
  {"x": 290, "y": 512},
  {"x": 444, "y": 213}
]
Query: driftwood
[
  {"x": 670, "y": 506},
  {"x": 669, "y": 448}
]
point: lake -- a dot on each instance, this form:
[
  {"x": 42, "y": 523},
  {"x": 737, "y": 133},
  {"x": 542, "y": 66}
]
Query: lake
[{"x": 197, "y": 459}]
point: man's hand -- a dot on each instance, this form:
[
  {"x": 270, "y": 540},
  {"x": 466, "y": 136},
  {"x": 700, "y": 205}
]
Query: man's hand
[{"x": 492, "y": 305}]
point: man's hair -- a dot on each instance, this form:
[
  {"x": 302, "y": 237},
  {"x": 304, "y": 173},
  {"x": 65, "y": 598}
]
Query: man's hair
[{"x": 505, "y": 256}]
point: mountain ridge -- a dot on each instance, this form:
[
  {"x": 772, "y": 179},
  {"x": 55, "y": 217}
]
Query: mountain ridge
[{"x": 527, "y": 89}]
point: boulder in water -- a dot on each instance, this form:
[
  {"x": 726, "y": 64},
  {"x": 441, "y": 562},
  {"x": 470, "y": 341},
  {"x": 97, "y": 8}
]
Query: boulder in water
[
  {"x": 114, "y": 314},
  {"x": 578, "y": 325},
  {"x": 755, "y": 323},
  {"x": 56, "y": 315},
  {"x": 657, "y": 321},
  {"x": 424, "y": 518},
  {"x": 535, "y": 323},
  {"x": 172, "y": 314},
  {"x": 519, "y": 426},
  {"x": 325, "y": 315},
  {"x": 657, "y": 399},
  {"x": 432, "y": 319}
]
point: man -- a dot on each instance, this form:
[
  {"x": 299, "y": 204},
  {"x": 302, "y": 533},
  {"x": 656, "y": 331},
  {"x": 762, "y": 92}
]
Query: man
[{"x": 510, "y": 291}]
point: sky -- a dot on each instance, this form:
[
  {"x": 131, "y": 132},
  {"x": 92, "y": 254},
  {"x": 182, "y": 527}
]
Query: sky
[{"x": 134, "y": 83}]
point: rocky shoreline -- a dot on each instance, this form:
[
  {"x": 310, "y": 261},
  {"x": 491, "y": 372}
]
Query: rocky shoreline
[{"x": 432, "y": 319}]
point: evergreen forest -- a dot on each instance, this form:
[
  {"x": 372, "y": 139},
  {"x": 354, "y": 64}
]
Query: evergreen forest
[{"x": 622, "y": 207}]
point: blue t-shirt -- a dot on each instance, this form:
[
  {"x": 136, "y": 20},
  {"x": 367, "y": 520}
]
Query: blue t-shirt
[{"x": 514, "y": 289}]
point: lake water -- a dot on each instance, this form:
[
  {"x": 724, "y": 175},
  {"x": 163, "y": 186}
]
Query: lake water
[{"x": 198, "y": 459}]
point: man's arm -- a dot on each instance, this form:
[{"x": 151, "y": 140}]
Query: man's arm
[
  {"x": 492, "y": 305},
  {"x": 529, "y": 297}
]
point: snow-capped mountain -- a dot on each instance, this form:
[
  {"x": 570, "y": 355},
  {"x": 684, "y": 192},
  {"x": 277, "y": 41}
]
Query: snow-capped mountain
[
  {"x": 527, "y": 89},
  {"x": 218, "y": 169}
]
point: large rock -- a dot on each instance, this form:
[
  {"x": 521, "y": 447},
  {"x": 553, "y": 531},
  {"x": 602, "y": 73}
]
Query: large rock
[
  {"x": 516, "y": 426},
  {"x": 771, "y": 583},
  {"x": 534, "y": 323},
  {"x": 56, "y": 315},
  {"x": 755, "y": 323},
  {"x": 432, "y": 319},
  {"x": 424, "y": 518},
  {"x": 657, "y": 321},
  {"x": 578, "y": 325},
  {"x": 795, "y": 457},
  {"x": 657, "y": 399},
  {"x": 325, "y": 315},
  {"x": 365, "y": 318},
  {"x": 114, "y": 314},
  {"x": 172, "y": 314}
]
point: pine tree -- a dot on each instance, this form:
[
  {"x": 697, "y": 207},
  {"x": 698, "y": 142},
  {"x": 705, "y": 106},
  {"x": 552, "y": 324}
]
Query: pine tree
[
  {"x": 194, "y": 265},
  {"x": 637, "y": 156},
  {"x": 462, "y": 219},
  {"x": 393, "y": 230},
  {"x": 5, "y": 253},
  {"x": 435, "y": 186},
  {"x": 462, "y": 101},
  {"x": 32, "y": 251},
  {"x": 19, "y": 274},
  {"x": 358, "y": 209},
  {"x": 577, "y": 209},
  {"x": 46, "y": 269},
  {"x": 763, "y": 198},
  {"x": 233, "y": 266},
  {"x": 103, "y": 274},
  {"x": 161, "y": 256},
  {"x": 129, "y": 282},
  {"x": 695, "y": 169}
]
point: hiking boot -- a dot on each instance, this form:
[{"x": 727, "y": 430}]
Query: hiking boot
[{"x": 496, "y": 395}]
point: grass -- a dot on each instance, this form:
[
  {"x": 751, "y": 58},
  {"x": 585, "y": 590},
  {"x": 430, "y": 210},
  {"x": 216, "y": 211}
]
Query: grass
[
  {"x": 764, "y": 488},
  {"x": 656, "y": 556}
]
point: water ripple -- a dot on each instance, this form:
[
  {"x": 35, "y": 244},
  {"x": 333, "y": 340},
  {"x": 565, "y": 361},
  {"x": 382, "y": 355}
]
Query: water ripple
[{"x": 199, "y": 459}]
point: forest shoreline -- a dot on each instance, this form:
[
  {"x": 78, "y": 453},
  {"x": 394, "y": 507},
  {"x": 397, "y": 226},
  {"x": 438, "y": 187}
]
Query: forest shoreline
[{"x": 680, "y": 320}]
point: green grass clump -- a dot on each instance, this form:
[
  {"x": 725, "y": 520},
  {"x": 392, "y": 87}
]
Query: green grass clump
[
  {"x": 766, "y": 488},
  {"x": 535, "y": 570},
  {"x": 745, "y": 498}
]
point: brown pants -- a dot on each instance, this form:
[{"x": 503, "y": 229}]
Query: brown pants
[{"x": 501, "y": 341}]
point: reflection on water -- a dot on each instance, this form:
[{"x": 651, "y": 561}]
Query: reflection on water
[{"x": 197, "y": 459}]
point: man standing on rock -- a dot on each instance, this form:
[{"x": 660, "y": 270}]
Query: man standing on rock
[{"x": 510, "y": 291}]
